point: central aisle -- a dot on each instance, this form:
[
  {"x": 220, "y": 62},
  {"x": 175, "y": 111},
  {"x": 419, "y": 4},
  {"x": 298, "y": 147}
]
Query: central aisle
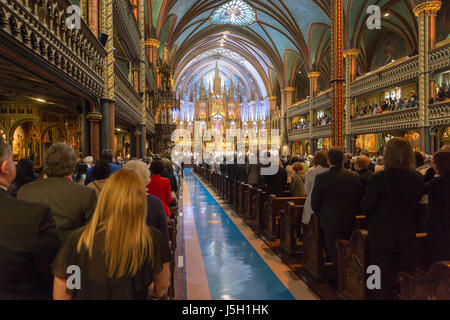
[{"x": 221, "y": 263}]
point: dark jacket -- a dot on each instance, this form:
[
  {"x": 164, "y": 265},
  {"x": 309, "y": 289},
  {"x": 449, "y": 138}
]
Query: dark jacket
[
  {"x": 28, "y": 244},
  {"x": 336, "y": 199},
  {"x": 391, "y": 203},
  {"x": 89, "y": 178},
  {"x": 438, "y": 226},
  {"x": 72, "y": 204},
  {"x": 156, "y": 215},
  {"x": 276, "y": 184},
  {"x": 365, "y": 176}
]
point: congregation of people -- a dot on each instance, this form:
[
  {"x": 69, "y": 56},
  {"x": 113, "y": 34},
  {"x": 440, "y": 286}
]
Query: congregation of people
[
  {"x": 108, "y": 219},
  {"x": 388, "y": 105},
  {"x": 401, "y": 192}
]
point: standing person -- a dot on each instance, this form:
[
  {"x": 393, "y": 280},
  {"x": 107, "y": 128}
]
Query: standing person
[
  {"x": 118, "y": 254},
  {"x": 108, "y": 157},
  {"x": 160, "y": 186},
  {"x": 254, "y": 172},
  {"x": 276, "y": 184},
  {"x": 100, "y": 173},
  {"x": 320, "y": 165},
  {"x": 25, "y": 174},
  {"x": 390, "y": 203},
  {"x": 290, "y": 172},
  {"x": 367, "y": 154},
  {"x": 380, "y": 164},
  {"x": 297, "y": 186},
  {"x": 438, "y": 225},
  {"x": 28, "y": 240},
  {"x": 72, "y": 204},
  {"x": 362, "y": 168},
  {"x": 80, "y": 172},
  {"x": 182, "y": 169},
  {"x": 335, "y": 199},
  {"x": 156, "y": 215}
]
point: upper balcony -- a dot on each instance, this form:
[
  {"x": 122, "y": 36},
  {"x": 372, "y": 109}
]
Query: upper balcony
[
  {"x": 296, "y": 135},
  {"x": 37, "y": 31},
  {"x": 440, "y": 113},
  {"x": 298, "y": 109},
  {"x": 127, "y": 24},
  {"x": 127, "y": 99},
  {"x": 389, "y": 121},
  {"x": 322, "y": 131},
  {"x": 391, "y": 75}
]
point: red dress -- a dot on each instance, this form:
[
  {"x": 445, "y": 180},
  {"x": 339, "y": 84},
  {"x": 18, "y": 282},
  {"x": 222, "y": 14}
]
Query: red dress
[{"x": 160, "y": 187}]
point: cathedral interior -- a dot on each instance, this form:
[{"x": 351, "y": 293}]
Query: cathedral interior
[{"x": 124, "y": 75}]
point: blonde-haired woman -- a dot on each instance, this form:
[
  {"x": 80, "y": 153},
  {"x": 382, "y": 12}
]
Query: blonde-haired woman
[{"x": 118, "y": 256}]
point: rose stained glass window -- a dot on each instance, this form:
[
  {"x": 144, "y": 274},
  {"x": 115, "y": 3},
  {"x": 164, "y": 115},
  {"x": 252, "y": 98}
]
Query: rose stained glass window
[{"x": 235, "y": 12}]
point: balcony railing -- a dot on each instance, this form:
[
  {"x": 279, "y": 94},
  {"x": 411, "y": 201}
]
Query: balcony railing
[
  {"x": 440, "y": 57},
  {"x": 296, "y": 135},
  {"x": 322, "y": 131},
  {"x": 394, "y": 74},
  {"x": 40, "y": 28},
  {"x": 126, "y": 21},
  {"x": 299, "y": 109},
  {"x": 126, "y": 97},
  {"x": 440, "y": 113},
  {"x": 323, "y": 100},
  {"x": 388, "y": 121}
]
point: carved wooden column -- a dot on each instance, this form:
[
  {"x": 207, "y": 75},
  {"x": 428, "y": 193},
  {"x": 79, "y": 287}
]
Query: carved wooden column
[
  {"x": 93, "y": 16},
  {"x": 107, "y": 28},
  {"x": 95, "y": 118},
  {"x": 286, "y": 102},
  {"x": 142, "y": 79},
  {"x": 313, "y": 78},
  {"x": 337, "y": 81},
  {"x": 426, "y": 16},
  {"x": 108, "y": 124},
  {"x": 350, "y": 75}
]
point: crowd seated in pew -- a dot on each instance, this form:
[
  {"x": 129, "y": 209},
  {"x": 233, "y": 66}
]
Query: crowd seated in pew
[{"x": 387, "y": 217}]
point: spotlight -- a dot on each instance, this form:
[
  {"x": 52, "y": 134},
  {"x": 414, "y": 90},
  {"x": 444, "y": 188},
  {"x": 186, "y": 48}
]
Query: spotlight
[{"x": 386, "y": 14}]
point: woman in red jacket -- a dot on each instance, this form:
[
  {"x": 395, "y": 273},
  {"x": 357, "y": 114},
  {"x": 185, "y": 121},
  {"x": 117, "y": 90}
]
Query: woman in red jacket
[{"x": 159, "y": 186}]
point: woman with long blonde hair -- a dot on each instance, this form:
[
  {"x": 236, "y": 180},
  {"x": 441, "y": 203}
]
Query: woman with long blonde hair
[{"x": 116, "y": 256}]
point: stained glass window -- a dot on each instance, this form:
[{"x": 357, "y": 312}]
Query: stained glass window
[{"x": 235, "y": 12}]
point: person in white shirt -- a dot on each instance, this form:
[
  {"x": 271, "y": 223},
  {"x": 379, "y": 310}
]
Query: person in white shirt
[{"x": 320, "y": 165}]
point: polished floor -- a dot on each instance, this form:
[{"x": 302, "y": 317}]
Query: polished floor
[{"x": 224, "y": 259}]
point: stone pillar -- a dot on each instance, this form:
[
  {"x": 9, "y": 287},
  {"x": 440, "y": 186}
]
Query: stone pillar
[
  {"x": 95, "y": 118},
  {"x": 108, "y": 124},
  {"x": 350, "y": 76},
  {"x": 426, "y": 16},
  {"x": 286, "y": 102},
  {"x": 137, "y": 142},
  {"x": 337, "y": 81},
  {"x": 84, "y": 130},
  {"x": 142, "y": 141},
  {"x": 313, "y": 77},
  {"x": 272, "y": 106}
]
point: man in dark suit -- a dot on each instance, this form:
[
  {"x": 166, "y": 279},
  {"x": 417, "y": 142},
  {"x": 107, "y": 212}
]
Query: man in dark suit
[
  {"x": 72, "y": 204},
  {"x": 336, "y": 200},
  {"x": 28, "y": 240}
]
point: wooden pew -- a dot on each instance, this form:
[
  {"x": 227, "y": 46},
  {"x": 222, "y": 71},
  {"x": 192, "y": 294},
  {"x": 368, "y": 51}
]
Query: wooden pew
[
  {"x": 260, "y": 199},
  {"x": 313, "y": 248},
  {"x": 250, "y": 201},
  {"x": 224, "y": 187},
  {"x": 290, "y": 219},
  {"x": 241, "y": 197},
  {"x": 353, "y": 260},
  {"x": 272, "y": 213},
  {"x": 431, "y": 285},
  {"x": 314, "y": 245},
  {"x": 235, "y": 194}
]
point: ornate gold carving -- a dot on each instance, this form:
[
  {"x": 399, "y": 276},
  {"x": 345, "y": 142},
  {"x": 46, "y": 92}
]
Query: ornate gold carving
[
  {"x": 288, "y": 89},
  {"x": 152, "y": 43},
  {"x": 94, "y": 116},
  {"x": 314, "y": 75},
  {"x": 429, "y": 7},
  {"x": 351, "y": 53}
]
